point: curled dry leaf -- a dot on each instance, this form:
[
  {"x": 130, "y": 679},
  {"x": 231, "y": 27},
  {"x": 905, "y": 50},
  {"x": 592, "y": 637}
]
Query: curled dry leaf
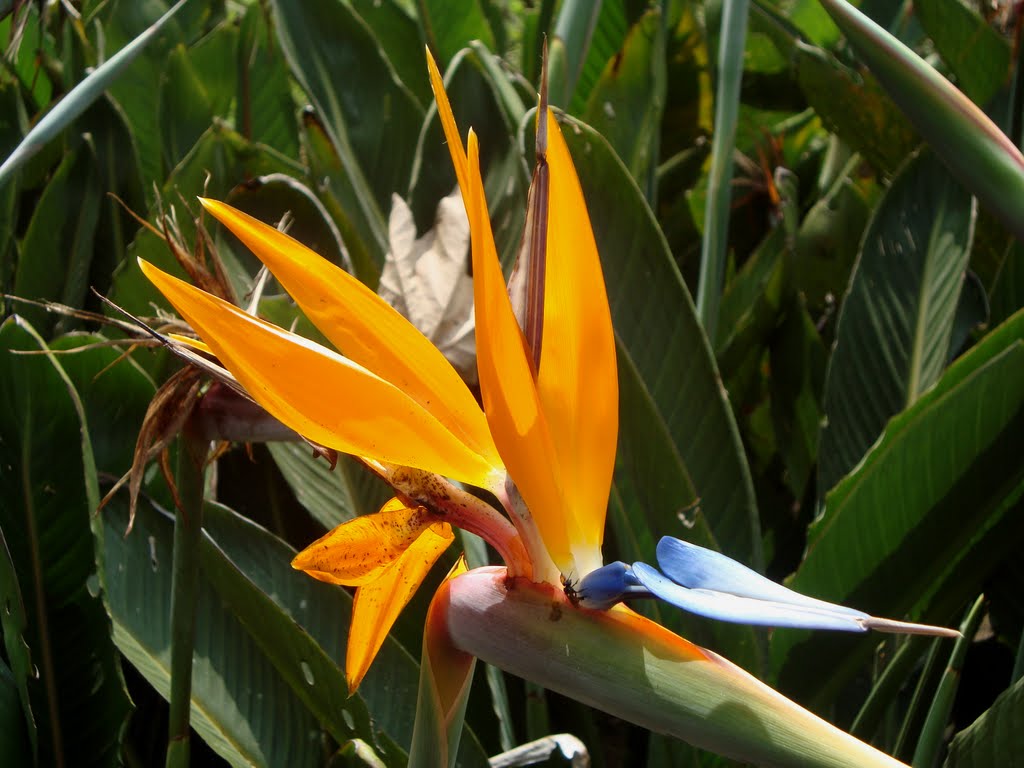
[{"x": 427, "y": 279}]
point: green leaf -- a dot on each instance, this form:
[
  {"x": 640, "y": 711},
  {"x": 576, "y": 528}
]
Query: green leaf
[
  {"x": 626, "y": 103},
  {"x": 330, "y": 496},
  {"x": 855, "y": 108},
  {"x": 265, "y": 110},
  {"x": 714, "y": 243},
  {"x": 372, "y": 127},
  {"x": 995, "y": 738},
  {"x": 448, "y": 26},
  {"x": 828, "y": 240},
  {"x": 84, "y": 94},
  {"x": 933, "y": 733},
  {"x": 15, "y": 747},
  {"x": 266, "y": 727},
  {"x": 195, "y": 89},
  {"x": 364, "y": 238},
  {"x": 46, "y": 523},
  {"x": 896, "y": 323},
  {"x": 914, "y": 517},
  {"x": 797, "y": 360},
  {"x": 399, "y": 36},
  {"x": 659, "y": 333},
  {"x": 58, "y": 247},
  {"x": 976, "y": 53},
  {"x": 14, "y": 624},
  {"x": 980, "y": 156}
]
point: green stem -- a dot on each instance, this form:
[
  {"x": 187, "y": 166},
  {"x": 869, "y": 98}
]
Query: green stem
[
  {"x": 188, "y": 524},
  {"x": 888, "y": 685},
  {"x": 716, "y": 213},
  {"x": 925, "y": 689},
  {"x": 932, "y": 733}
]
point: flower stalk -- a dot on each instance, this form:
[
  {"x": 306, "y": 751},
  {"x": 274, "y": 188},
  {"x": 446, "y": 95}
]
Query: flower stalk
[{"x": 188, "y": 522}]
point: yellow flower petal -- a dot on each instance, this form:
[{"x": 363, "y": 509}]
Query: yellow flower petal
[
  {"x": 577, "y": 377},
  {"x": 364, "y": 327},
  {"x": 188, "y": 341},
  {"x": 320, "y": 394},
  {"x": 378, "y": 604},
  {"x": 507, "y": 384},
  {"x": 357, "y": 552}
]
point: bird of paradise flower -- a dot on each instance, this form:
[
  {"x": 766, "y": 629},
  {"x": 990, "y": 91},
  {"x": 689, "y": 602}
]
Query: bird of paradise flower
[{"x": 543, "y": 445}]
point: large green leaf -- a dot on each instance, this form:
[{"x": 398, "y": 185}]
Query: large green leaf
[
  {"x": 626, "y": 103},
  {"x": 58, "y": 247},
  {"x": 262, "y": 624},
  {"x": 855, "y": 108},
  {"x": 195, "y": 89},
  {"x": 659, "y": 333},
  {"x": 995, "y": 738},
  {"x": 980, "y": 156},
  {"x": 265, "y": 109},
  {"x": 45, "y": 519},
  {"x": 241, "y": 706},
  {"x": 15, "y": 747},
  {"x": 448, "y": 26},
  {"x": 18, "y": 719},
  {"x": 330, "y": 496},
  {"x": 895, "y": 326},
  {"x": 84, "y": 94},
  {"x": 135, "y": 89},
  {"x": 915, "y": 514},
  {"x": 400, "y": 38},
  {"x": 976, "y": 53},
  {"x": 374, "y": 126}
]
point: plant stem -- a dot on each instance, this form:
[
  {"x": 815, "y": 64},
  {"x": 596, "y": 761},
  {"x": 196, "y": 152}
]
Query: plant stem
[
  {"x": 888, "y": 685},
  {"x": 188, "y": 524},
  {"x": 938, "y": 714},
  {"x": 715, "y": 242}
]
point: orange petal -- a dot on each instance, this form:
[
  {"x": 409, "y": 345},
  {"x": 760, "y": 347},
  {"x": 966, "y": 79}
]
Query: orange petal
[
  {"x": 357, "y": 552},
  {"x": 577, "y": 377},
  {"x": 378, "y": 604},
  {"x": 451, "y": 131},
  {"x": 446, "y": 676},
  {"x": 188, "y": 341},
  {"x": 507, "y": 384},
  {"x": 320, "y": 394},
  {"x": 364, "y": 327}
]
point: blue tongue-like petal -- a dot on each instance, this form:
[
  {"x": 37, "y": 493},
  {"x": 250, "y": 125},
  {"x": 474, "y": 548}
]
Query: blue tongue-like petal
[
  {"x": 747, "y": 610},
  {"x": 603, "y": 588},
  {"x": 710, "y": 584},
  {"x": 697, "y": 568}
]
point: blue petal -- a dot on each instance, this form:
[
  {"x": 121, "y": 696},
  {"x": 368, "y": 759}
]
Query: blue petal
[
  {"x": 603, "y": 588},
  {"x": 697, "y": 568},
  {"x": 743, "y": 610}
]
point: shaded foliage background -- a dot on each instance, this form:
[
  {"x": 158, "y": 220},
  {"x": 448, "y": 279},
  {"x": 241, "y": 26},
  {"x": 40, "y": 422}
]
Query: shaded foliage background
[{"x": 853, "y": 424}]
